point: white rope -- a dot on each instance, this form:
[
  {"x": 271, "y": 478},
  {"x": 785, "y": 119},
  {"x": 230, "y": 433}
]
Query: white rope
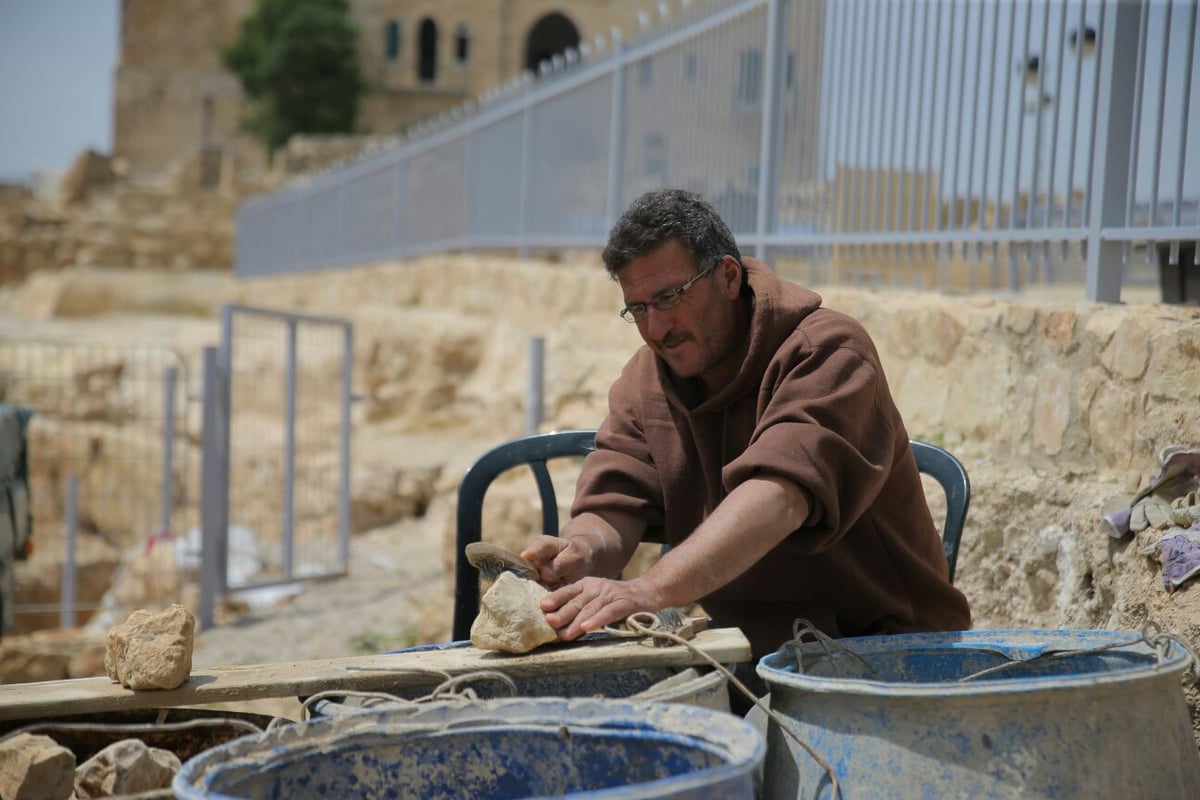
[
  {"x": 448, "y": 689},
  {"x": 644, "y": 623},
  {"x": 137, "y": 727}
]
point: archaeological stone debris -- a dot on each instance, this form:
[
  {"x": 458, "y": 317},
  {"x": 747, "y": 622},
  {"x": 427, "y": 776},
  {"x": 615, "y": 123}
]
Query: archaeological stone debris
[{"x": 151, "y": 651}]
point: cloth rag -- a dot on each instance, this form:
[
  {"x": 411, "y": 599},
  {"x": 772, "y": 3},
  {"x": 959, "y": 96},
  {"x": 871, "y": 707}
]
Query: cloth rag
[
  {"x": 1179, "y": 553},
  {"x": 1154, "y": 506}
]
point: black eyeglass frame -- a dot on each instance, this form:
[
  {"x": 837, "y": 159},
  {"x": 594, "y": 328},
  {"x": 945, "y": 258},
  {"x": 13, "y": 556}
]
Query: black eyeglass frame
[{"x": 664, "y": 300}]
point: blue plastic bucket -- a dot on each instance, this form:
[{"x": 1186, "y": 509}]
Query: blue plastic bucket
[
  {"x": 497, "y": 749},
  {"x": 1046, "y": 713},
  {"x": 664, "y": 684}
]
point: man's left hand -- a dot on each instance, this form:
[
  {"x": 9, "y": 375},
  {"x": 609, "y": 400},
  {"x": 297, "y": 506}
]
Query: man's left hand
[{"x": 591, "y": 603}]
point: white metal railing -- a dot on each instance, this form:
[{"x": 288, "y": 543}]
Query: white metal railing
[{"x": 934, "y": 143}]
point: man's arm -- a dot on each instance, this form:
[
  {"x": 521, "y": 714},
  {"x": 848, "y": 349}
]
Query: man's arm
[
  {"x": 756, "y": 516},
  {"x": 588, "y": 545}
]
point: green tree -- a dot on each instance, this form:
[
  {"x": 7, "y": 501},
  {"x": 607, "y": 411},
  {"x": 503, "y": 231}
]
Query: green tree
[{"x": 298, "y": 65}]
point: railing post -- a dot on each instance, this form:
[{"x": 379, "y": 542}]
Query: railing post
[
  {"x": 343, "y": 509},
  {"x": 534, "y": 405},
  {"x": 769, "y": 142},
  {"x": 616, "y": 131},
  {"x": 66, "y": 613},
  {"x": 224, "y": 385},
  {"x": 167, "y": 495},
  {"x": 1110, "y": 165},
  {"x": 526, "y": 187},
  {"x": 289, "y": 452},
  {"x": 214, "y": 488}
]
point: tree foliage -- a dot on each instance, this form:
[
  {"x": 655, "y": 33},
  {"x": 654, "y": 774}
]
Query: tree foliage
[{"x": 298, "y": 64}]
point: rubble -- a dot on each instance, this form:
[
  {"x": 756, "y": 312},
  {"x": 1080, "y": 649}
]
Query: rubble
[
  {"x": 35, "y": 767},
  {"x": 123, "y": 768}
]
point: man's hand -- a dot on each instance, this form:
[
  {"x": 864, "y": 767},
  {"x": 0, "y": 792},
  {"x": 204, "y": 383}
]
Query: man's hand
[
  {"x": 591, "y": 603},
  {"x": 587, "y": 545},
  {"x": 753, "y": 518},
  {"x": 558, "y": 560}
]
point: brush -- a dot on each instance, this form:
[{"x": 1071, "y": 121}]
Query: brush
[{"x": 492, "y": 560}]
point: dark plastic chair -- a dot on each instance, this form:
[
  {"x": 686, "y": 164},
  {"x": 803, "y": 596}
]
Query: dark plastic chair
[
  {"x": 537, "y": 449},
  {"x": 534, "y": 450},
  {"x": 950, "y": 473}
]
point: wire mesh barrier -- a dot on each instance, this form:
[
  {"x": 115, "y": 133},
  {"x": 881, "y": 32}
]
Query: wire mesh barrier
[
  {"x": 112, "y": 464},
  {"x": 288, "y": 387},
  {"x": 918, "y": 143},
  {"x": 126, "y": 514}
]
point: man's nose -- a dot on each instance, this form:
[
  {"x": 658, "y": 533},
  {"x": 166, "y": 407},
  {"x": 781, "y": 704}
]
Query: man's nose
[{"x": 657, "y": 324}]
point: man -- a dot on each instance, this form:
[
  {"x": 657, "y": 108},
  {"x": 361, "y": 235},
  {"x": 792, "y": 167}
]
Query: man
[{"x": 756, "y": 432}]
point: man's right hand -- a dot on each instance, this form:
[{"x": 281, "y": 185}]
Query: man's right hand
[
  {"x": 559, "y": 560},
  {"x": 587, "y": 546}
]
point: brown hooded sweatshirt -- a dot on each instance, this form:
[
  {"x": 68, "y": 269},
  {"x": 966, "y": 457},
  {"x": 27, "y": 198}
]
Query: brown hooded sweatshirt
[{"x": 809, "y": 403}]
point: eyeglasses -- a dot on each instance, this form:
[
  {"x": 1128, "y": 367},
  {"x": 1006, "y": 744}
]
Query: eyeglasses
[{"x": 669, "y": 298}]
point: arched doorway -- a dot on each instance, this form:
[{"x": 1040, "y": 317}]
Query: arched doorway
[
  {"x": 427, "y": 51},
  {"x": 551, "y": 34}
]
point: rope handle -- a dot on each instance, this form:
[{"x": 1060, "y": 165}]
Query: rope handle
[{"x": 644, "y": 623}]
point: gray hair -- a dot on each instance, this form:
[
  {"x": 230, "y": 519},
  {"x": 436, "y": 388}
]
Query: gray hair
[{"x": 664, "y": 214}]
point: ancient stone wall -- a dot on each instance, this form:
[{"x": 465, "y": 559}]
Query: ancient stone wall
[
  {"x": 1055, "y": 406},
  {"x": 172, "y": 96}
]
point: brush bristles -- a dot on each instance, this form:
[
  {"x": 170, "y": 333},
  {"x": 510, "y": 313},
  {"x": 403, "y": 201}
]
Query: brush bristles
[{"x": 492, "y": 561}]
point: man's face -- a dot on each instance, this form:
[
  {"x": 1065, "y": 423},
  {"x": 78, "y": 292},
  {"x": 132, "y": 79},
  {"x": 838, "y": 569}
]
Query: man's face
[{"x": 698, "y": 336}]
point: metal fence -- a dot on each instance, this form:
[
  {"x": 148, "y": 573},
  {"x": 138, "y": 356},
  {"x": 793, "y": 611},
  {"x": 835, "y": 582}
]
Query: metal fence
[
  {"x": 931, "y": 143},
  {"x": 121, "y": 455},
  {"x": 276, "y": 443},
  {"x": 109, "y": 456}
]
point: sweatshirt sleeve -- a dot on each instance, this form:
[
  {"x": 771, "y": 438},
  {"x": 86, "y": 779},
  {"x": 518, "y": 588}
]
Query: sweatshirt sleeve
[
  {"x": 620, "y": 475},
  {"x": 822, "y": 426}
]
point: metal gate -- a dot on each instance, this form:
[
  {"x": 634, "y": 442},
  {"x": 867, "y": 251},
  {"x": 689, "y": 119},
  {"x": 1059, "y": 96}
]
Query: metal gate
[{"x": 275, "y": 481}]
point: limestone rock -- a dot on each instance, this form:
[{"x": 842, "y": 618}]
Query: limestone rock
[
  {"x": 50, "y": 656},
  {"x": 510, "y": 618},
  {"x": 35, "y": 767},
  {"x": 151, "y": 651},
  {"x": 1058, "y": 328},
  {"x": 125, "y": 767}
]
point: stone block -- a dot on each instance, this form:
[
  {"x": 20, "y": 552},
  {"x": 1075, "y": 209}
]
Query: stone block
[
  {"x": 35, "y": 767},
  {"x": 510, "y": 618},
  {"x": 151, "y": 651},
  {"x": 127, "y": 767}
]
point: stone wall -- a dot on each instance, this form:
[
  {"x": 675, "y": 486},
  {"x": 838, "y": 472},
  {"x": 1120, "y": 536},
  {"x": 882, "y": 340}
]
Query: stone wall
[
  {"x": 1072, "y": 386},
  {"x": 172, "y": 96},
  {"x": 1055, "y": 406},
  {"x": 144, "y": 226}
]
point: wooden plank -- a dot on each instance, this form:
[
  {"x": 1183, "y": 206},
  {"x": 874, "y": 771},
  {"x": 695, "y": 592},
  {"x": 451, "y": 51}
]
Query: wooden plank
[{"x": 362, "y": 673}]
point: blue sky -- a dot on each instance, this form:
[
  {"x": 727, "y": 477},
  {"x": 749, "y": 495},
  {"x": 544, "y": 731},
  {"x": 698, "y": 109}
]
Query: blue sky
[{"x": 57, "y": 59}]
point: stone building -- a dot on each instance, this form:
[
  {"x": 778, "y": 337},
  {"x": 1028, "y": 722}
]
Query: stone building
[{"x": 174, "y": 100}]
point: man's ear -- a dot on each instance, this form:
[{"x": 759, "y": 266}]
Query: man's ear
[{"x": 731, "y": 276}]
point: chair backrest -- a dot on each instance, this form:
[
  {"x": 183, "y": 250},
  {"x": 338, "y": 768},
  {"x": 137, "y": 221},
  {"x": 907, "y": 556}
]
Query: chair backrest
[
  {"x": 534, "y": 450},
  {"x": 537, "y": 449},
  {"x": 950, "y": 473}
]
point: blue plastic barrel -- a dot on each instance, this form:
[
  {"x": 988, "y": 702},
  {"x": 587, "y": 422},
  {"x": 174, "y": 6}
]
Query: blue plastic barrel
[
  {"x": 496, "y": 749},
  {"x": 982, "y": 714}
]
